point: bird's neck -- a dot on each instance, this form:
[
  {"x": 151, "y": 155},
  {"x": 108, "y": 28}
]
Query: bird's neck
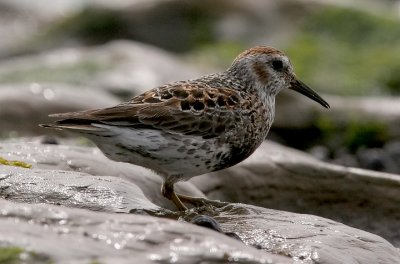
[
  {"x": 270, "y": 106},
  {"x": 222, "y": 80},
  {"x": 247, "y": 85},
  {"x": 243, "y": 82},
  {"x": 241, "y": 76}
]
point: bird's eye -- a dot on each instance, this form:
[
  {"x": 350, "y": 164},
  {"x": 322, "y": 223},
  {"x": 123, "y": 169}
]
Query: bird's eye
[{"x": 277, "y": 65}]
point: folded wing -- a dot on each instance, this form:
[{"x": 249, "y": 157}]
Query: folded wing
[{"x": 180, "y": 108}]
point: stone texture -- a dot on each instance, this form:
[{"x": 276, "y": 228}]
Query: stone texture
[
  {"x": 286, "y": 179},
  {"x": 61, "y": 160},
  {"x": 72, "y": 189},
  {"x": 66, "y": 235},
  {"x": 122, "y": 68},
  {"x": 63, "y": 80},
  {"x": 24, "y": 106},
  {"x": 49, "y": 230},
  {"x": 82, "y": 177},
  {"x": 353, "y": 132},
  {"x": 299, "y": 112},
  {"x": 306, "y": 238}
]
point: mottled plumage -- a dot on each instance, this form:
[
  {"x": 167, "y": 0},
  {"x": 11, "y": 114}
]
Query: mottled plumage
[{"x": 189, "y": 128}]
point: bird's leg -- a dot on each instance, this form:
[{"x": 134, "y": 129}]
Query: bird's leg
[
  {"x": 199, "y": 201},
  {"x": 168, "y": 192}
]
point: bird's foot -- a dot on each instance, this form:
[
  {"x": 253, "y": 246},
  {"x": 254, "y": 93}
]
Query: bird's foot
[
  {"x": 198, "y": 201},
  {"x": 168, "y": 192}
]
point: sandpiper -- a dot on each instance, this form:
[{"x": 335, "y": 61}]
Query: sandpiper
[{"x": 188, "y": 128}]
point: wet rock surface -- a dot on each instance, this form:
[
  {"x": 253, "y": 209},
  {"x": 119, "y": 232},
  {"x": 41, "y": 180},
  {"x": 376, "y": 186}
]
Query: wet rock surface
[
  {"x": 81, "y": 177},
  {"x": 306, "y": 238},
  {"x": 59, "y": 162},
  {"x": 286, "y": 179},
  {"x": 69, "y": 204},
  {"x": 67, "y": 179},
  {"x": 72, "y": 189},
  {"x": 66, "y": 235}
]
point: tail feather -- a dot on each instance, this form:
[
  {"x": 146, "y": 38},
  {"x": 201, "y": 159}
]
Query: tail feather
[
  {"x": 74, "y": 115},
  {"x": 75, "y": 121},
  {"x": 87, "y": 127}
]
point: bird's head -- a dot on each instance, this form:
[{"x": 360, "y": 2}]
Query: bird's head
[{"x": 271, "y": 71}]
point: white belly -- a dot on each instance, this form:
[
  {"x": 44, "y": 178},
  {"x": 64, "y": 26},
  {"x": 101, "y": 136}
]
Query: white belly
[{"x": 171, "y": 155}]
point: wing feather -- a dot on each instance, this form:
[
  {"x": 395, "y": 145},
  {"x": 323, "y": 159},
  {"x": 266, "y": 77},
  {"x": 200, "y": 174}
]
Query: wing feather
[{"x": 181, "y": 108}]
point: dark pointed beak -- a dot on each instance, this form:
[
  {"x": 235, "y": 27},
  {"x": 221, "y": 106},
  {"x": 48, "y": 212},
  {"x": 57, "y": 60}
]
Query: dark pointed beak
[{"x": 302, "y": 88}]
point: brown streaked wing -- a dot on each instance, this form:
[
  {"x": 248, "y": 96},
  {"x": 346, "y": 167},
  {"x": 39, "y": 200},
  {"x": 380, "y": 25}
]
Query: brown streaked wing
[{"x": 180, "y": 108}]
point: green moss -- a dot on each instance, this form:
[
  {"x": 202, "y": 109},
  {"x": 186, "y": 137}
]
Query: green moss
[
  {"x": 10, "y": 255},
  {"x": 346, "y": 51},
  {"x": 15, "y": 163},
  {"x": 331, "y": 133},
  {"x": 201, "y": 27},
  {"x": 16, "y": 255},
  {"x": 353, "y": 26},
  {"x": 192, "y": 25},
  {"x": 368, "y": 134},
  {"x": 82, "y": 141},
  {"x": 95, "y": 262},
  {"x": 353, "y": 135},
  {"x": 326, "y": 126},
  {"x": 93, "y": 25},
  {"x": 391, "y": 78}
]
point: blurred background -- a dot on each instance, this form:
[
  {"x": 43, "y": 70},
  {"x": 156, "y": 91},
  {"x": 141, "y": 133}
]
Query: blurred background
[{"x": 72, "y": 54}]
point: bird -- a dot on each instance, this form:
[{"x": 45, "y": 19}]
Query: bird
[{"x": 188, "y": 128}]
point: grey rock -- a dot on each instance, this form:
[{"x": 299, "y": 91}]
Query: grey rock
[
  {"x": 24, "y": 106},
  {"x": 351, "y": 122},
  {"x": 138, "y": 67},
  {"x": 122, "y": 68},
  {"x": 17, "y": 25},
  {"x": 72, "y": 189},
  {"x": 365, "y": 109},
  {"x": 392, "y": 148},
  {"x": 34, "y": 86},
  {"x": 61, "y": 160},
  {"x": 306, "y": 238},
  {"x": 285, "y": 179},
  {"x": 374, "y": 159},
  {"x": 343, "y": 157},
  {"x": 319, "y": 152},
  {"x": 66, "y": 235},
  {"x": 113, "y": 237},
  {"x": 298, "y": 112},
  {"x": 346, "y": 159}
]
